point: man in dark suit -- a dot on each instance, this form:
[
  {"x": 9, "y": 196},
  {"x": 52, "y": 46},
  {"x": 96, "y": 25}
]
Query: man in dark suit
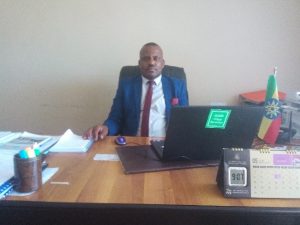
[{"x": 126, "y": 113}]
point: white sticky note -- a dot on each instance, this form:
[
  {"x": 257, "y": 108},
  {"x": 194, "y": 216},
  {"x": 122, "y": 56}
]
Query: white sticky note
[{"x": 107, "y": 157}]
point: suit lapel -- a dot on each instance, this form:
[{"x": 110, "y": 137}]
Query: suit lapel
[
  {"x": 167, "y": 89},
  {"x": 137, "y": 95}
]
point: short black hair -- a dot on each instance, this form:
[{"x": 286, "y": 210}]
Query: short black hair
[{"x": 150, "y": 44}]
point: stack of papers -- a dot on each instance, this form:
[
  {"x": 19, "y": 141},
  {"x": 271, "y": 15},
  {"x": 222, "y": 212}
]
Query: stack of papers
[
  {"x": 18, "y": 141},
  {"x": 6, "y": 136},
  {"x": 70, "y": 142}
]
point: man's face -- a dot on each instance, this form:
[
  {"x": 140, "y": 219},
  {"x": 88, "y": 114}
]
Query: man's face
[{"x": 151, "y": 62}]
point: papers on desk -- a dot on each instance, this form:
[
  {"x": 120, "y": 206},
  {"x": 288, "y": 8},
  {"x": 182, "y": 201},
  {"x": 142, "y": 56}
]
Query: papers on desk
[
  {"x": 6, "y": 136},
  {"x": 70, "y": 142},
  {"x": 10, "y": 144},
  {"x": 18, "y": 141}
]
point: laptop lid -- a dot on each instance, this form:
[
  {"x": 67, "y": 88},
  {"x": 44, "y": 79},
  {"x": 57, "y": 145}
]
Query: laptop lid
[{"x": 200, "y": 132}]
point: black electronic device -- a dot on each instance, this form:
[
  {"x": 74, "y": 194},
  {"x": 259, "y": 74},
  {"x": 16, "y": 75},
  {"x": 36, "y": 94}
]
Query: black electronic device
[{"x": 200, "y": 132}]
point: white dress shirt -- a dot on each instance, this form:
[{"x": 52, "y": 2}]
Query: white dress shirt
[{"x": 157, "y": 119}]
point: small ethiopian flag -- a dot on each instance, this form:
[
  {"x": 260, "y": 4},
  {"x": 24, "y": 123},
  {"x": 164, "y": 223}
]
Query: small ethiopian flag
[{"x": 271, "y": 122}]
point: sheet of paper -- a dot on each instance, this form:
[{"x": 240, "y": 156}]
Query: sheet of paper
[
  {"x": 5, "y": 135},
  {"x": 70, "y": 142},
  {"x": 7, "y": 164},
  {"x": 106, "y": 157},
  {"x": 19, "y": 141}
]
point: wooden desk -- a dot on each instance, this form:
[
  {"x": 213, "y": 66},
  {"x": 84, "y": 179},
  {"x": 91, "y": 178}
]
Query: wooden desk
[{"x": 103, "y": 192}]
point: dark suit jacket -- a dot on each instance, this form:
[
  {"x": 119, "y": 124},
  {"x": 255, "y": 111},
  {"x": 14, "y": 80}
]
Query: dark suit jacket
[{"x": 125, "y": 112}]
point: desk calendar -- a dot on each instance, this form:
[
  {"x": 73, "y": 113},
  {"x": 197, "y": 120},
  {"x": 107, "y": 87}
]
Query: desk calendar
[{"x": 260, "y": 173}]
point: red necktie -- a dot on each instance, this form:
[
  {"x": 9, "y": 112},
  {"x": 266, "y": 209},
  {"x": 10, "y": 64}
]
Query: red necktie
[{"x": 146, "y": 110}]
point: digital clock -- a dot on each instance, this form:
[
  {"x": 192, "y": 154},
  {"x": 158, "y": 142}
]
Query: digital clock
[{"x": 237, "y": 176}]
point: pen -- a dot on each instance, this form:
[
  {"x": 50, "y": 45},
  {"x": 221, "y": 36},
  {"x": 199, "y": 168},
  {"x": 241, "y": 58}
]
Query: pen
[{"x": 60, "y": 182}]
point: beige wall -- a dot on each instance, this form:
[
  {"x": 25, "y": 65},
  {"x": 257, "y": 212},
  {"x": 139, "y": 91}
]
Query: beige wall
[{"x": 60, "y": 59}]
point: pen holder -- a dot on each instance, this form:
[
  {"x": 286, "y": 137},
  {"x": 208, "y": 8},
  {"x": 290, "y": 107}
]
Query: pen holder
[{"x": 28, "y": 173}]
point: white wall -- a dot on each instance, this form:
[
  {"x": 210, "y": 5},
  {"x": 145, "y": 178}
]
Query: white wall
[{"x": 60, "y": 59}]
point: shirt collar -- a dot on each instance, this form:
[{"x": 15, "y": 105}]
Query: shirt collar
[{"x": 157, "y": 80}]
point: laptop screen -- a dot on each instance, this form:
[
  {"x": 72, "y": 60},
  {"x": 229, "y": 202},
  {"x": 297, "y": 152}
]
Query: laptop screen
[{"x": 200, "y": 132}]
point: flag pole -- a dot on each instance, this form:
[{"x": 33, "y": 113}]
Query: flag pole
[{"x": 275, "y": 71}]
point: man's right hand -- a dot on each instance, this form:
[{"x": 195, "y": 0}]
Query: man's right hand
[{"x": 96, "y": 133}]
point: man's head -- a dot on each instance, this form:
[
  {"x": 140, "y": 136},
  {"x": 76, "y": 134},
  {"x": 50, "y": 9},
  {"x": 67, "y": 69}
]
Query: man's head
[{"x": 151, "y": 60}]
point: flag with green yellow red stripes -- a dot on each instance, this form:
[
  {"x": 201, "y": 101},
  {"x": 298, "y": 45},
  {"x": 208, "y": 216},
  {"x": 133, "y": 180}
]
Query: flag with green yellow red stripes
[{"x": 271, "y": 122}]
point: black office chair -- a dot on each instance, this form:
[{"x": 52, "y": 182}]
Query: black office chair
[{"x": 173, "y": 71}]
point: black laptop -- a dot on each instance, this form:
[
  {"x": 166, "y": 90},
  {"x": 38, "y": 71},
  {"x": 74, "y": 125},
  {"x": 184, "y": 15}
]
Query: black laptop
[{"x": 200, "y": 132}]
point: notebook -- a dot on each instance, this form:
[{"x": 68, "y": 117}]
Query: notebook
[{"x": 200, "y": 132}]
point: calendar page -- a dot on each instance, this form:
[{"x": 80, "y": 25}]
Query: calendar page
[
  {"x": 260, "y": 173},
  {"x": 275, "y": 174}
]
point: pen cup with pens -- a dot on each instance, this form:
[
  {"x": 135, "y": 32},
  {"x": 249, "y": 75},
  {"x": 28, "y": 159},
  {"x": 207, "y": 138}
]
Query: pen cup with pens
[{"x": 28, "y": 170}]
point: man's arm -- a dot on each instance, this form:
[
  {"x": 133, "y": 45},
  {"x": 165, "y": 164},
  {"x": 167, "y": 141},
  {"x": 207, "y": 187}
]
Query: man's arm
[
  {"x": 115, "y": 117},
  {"x": 183, "y": 94},
  {"x": 97, "y": 132},
  {"x": 111, "y": 125}
]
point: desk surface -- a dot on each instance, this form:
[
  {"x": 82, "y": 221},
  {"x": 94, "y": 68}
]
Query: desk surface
[{"x": 93, "y": 181}]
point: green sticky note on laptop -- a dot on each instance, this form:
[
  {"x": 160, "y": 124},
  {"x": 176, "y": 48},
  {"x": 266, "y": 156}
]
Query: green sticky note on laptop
[{"x": 217, "y": 118}]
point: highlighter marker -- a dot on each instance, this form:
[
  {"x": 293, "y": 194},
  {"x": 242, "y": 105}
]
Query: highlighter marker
[
  {"x": 30, "y": 152},
  {"x": 37, "y": 152},
  {"x": 23, "y": 154}
]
